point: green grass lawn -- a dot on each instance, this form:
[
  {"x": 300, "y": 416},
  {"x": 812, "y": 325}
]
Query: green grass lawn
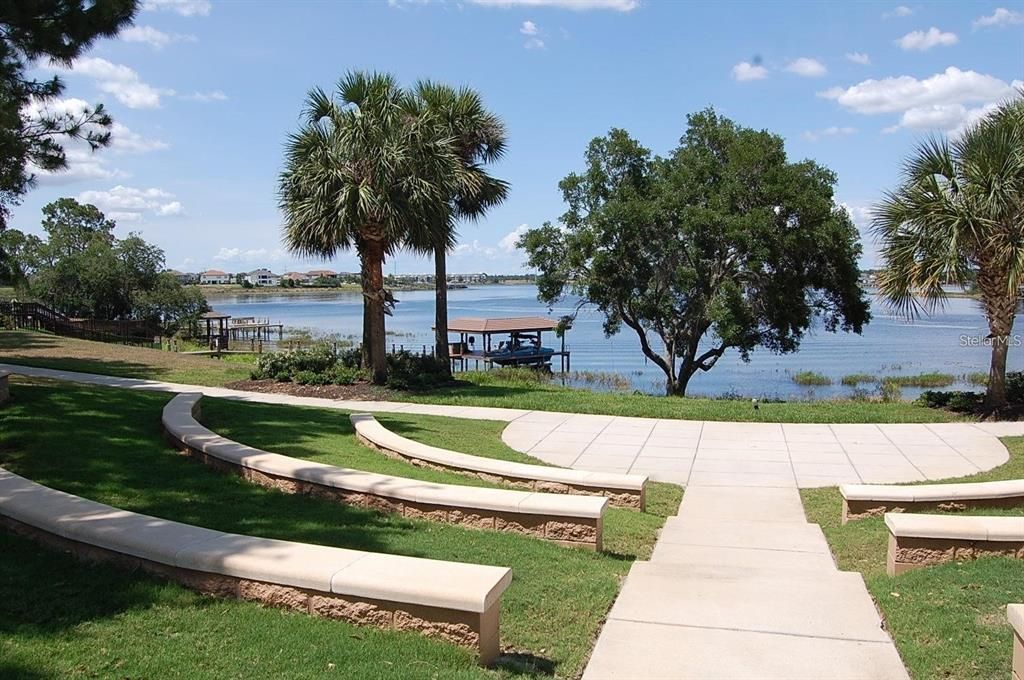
[
  {"x": 485, "y": 389},
  {"x": 62, "y": 619},
  {"x": 327, "y": 436},
  {"x": 948, "y": 621}
]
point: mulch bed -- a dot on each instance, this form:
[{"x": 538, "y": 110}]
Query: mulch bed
[{"x": 360, "y": 391}]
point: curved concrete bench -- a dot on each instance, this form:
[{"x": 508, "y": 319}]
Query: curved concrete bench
[
  {"x": 1015, "y": 614},
  {"x": 576, "y": 521},
  {"x": 867, "y": 500},
  {"x": 627, "y": 491},
  {"x": 921, "y": 540},
  {"x": 450, "y": 600},
  {"x": 5, "y": 386}
]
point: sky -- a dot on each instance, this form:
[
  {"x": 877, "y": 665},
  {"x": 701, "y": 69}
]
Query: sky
[{"x": 204, "y": 93}]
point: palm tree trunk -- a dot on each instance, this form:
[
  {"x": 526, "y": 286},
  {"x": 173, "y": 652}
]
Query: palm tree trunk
[
  {"x": 1000, "y": 308},
  {"x": 441, "y": 307},
  {"x": 373, "y": 319}
]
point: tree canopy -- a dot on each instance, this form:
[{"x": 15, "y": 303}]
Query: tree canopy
[
  {"x": 957, "y": 216},
  {"x": 370, "y": 167},
  {"x": 83, "y": 270},
  {"x": 31, "y": 133},
  {"x": 723, "y": 244}
]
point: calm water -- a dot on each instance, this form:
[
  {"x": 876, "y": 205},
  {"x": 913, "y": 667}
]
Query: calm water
[{"x": 889, "y": 346}]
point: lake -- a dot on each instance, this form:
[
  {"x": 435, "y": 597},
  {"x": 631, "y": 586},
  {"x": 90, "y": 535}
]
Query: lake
[{"x": 888, "y": 346}]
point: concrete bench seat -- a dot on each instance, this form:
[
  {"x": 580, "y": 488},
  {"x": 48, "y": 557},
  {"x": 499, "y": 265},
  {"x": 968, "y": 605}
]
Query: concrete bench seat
[
  {"x": 1015, "y": 614},
  {"x": 921, "y": 540},
  {"x": 454, "y": 601},
  {"x": 572, "y": 520},
  {"x": 868, "y": 500},
  {"x": 622, "y": 490}
]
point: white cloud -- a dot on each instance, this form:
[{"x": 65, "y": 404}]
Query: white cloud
[
  {"x": 858, "y": 58},
  {"x": 153, "y": 37},
  {"x": 528, "y": 28},
  {"x": 509, "y": 240},
  {"x": 172, "y": 208},
  {"x": 832, "y": 131},
  {"x": 901, "y": 11},
  {"x": 1001, "y": 17},
  {"x": 125, "y": 140},
  {"x": 807, "y": 67},
  {"x": 211, "y": 96},
  {"x": 83, "y": 165},
  {"x": 747, "y": 71},
  {"x": 534, "y": 44},
  {"x": 925, "y": 40},
  {"x": 129, "y": 203},
  {"x": 186, "y": 8},
  {"x": 578, "y": 5},
  {"x": 251, "y": 256},
  {"x": 475, "y": 249},
  {"x": 939, "y": 102},
  {"x": 118, "y": 80}
]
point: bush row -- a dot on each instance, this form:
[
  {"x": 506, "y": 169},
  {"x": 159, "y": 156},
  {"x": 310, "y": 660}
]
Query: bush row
[{"x": 321, "y": 365}]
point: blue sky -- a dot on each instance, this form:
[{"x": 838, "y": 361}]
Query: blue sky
[{"x": 204, "y": 93}]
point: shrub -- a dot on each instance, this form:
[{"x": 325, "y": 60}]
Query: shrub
[
  {"x": 890, "y": 390},
  {"x": 855, "y": 379},
  {"x": 810, "y": 378},
  {"x": 407, "y": 371},
  {"x": 312, "y": 378},
  {"x": 316, "y": 359},
  {"x": 961, "y": 402},
  {"x": 344, "y": 375},
  {"x": 1015, "y": 387}
]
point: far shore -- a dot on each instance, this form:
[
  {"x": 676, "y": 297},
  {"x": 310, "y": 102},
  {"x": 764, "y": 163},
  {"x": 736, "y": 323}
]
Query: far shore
[{"x": 217, "y": 292}]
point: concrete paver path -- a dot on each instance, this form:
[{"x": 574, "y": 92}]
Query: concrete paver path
[{"x": 739, "y": 584}]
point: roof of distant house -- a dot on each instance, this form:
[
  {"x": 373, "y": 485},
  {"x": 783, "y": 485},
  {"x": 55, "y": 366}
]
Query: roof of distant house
[
  {"x": 214, "y": 272},
  {"x": 321, "y": 272},
  {"x": 507, "y": 325},
  {"x": 296, "y": 275}
]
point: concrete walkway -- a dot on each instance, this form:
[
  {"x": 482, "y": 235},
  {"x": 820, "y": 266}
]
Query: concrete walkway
[
  {"x": 741, "y": 586},
  {"x": 687, "y": 452}
]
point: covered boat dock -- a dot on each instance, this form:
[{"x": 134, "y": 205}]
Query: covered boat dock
[{"x": 524, "y": 345}]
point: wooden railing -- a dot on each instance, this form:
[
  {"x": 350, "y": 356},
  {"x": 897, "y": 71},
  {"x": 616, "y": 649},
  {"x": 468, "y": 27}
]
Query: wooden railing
[{"x": 39, "y": 317}]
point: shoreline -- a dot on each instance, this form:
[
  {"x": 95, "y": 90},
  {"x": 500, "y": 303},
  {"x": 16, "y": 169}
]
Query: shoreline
[{"x": 228, "y": 290}]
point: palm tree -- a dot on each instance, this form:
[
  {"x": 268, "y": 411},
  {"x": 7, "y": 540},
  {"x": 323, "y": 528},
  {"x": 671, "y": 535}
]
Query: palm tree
[
  {"x": 959, "y": 211},
  {"x": 365, "y": 169},
  {"x": 478, "y": 137}
]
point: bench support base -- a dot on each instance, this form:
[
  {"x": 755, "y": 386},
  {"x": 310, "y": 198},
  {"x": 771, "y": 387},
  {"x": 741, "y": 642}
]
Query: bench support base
[
  {"x": 479, "y": 631},
  {"x": 620, "y": 498},
  {"x": 906, "y": 553},
  {"x": 575, "y": 532},
  {"x": 854, "y": 510}
]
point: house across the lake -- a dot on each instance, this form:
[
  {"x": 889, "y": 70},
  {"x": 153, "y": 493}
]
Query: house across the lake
[
  {"x": 322, "y": 274},
  {"x": 263, "y": 277},
  {"x": 214, "y": 277},
  {"x": 300, "y": 278}
]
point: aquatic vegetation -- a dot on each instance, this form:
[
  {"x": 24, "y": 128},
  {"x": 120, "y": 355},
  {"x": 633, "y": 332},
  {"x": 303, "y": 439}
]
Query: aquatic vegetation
[
  {"x": 811, "y": 379},
  {"x": 855, "y": 379}
]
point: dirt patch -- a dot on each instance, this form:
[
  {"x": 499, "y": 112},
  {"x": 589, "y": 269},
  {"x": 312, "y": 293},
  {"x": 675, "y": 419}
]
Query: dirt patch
[{"x": 359, "y": 391}]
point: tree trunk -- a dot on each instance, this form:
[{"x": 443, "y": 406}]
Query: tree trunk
[
  {"x": 1000, "y": 308},
  {"x": 373, "y": 294},
  {"x": 365, "y": 281},
  {"x": 441, "y": 307}
]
